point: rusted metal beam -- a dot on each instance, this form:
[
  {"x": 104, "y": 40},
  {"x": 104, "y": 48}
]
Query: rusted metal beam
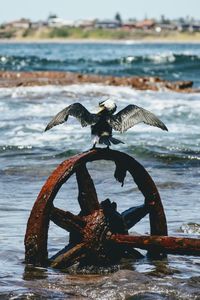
[
  {"x": 166, "y": 244},
  {"x": 70, "y": 257}
]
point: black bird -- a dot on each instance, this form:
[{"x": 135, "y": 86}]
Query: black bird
[{"x": 105, "y": 121}]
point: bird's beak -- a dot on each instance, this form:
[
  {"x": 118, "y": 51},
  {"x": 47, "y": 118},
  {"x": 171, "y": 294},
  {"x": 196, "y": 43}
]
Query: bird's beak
[{"x": 101, "y": 108}]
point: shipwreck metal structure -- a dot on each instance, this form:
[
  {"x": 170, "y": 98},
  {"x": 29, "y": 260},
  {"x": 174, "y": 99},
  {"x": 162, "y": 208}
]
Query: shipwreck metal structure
[{"x": 98, "y": 235}]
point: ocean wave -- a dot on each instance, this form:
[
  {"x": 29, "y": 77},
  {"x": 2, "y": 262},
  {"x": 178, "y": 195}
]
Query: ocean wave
[
  {"x": 190, "y": 228},
  {"x": 173, "y": 106},
  {"x": 14, "y": 148},
  {"x": 159, "y": 58},
  {"x": 167, "y": 154},
  {"x": 24, "y": 119},
  {"x": 100, "y": 89},
  {"x": 170, "y": 66},
  {"x": 24, "y": 63},
  {"x": 163, "y": 58},
  {"x": 70, "y": 140}
]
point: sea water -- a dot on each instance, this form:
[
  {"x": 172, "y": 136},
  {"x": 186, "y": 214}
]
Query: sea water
[{"x": 28, "y": 156}]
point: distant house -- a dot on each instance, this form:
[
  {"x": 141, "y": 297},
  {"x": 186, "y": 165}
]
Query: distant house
[
  {"x": 195, "y": 27},
  {"x": 38, "y": 24},
  {"x": 183, "y": 27},
  {"x": 128, "y": 24},
  {"x": 145, "y": 24},
  {"x": 54, "y": 21},
  {"x": 165, "y": 27},
  {"x": 84, "y": 23},
  {"x": 107, "y": 24},
  {"x": 22, "y": 23},
  {"x": 189, "y": 27}
]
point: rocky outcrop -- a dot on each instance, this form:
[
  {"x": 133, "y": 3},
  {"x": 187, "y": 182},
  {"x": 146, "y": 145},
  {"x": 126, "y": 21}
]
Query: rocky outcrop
[{"x": 15, "y": 79}]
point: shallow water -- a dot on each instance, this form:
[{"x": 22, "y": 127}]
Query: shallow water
[{"x": 28, "y": 155}]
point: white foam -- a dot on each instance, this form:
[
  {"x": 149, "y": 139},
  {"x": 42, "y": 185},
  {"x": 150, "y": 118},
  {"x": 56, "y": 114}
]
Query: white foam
[
  {"x": 25, "y": 112},
  {"x": 162, "y": 58}
]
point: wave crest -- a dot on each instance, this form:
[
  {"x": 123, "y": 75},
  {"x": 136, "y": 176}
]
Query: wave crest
[{"x": 22, "y": 63}]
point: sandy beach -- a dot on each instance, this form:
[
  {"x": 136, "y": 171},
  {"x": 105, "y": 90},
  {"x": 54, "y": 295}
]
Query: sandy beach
[{"x": 149, "y": 40}]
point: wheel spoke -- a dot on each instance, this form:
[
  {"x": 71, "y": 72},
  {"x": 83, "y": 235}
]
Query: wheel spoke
[
  {"x": 133, "y": 215},
  {"x": 68, "y": 258},
  {"x": 87, "y": 197},
  {"x": 132, "y": 253},
  {"x": 66, "y": 220}
]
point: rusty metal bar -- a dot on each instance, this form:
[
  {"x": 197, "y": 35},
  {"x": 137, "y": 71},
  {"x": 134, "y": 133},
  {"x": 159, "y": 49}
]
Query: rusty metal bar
[
  {"x": 166, "y": 244},
  {"x": 70, "y": 257}
]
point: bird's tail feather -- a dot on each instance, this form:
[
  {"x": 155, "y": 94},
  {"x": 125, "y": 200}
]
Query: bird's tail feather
[
  {"x": 115, "y": 141},
  {"x": 104, "y": 140},
  {"x": 107, "y": 140}
]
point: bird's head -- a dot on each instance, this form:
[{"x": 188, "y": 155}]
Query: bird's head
[{"x": 108, "y": 106}]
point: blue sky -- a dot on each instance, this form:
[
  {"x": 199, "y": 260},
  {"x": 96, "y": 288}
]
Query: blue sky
[{"x": 77, "y": 9}]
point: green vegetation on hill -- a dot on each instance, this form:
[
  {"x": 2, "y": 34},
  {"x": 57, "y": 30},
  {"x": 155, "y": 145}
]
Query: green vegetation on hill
[
  {"x": 98, "y": 34},
  {"x": 79, "y": 33}
]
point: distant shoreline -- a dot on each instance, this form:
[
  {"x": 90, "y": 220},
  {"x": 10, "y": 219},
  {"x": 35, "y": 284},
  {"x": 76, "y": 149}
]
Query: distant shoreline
[
  {"x": 100, "y": 41},
  {"x": 94, "y": 35}
]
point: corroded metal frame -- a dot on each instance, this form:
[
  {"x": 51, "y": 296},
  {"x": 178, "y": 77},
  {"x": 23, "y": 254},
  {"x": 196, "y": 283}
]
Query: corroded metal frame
[{"x": 88, "y": 230}]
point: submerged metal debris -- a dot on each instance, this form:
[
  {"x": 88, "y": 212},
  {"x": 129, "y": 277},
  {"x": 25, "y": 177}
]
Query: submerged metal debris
[{"x": 99, "y": 234}]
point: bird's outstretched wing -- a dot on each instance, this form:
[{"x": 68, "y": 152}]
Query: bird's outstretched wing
[
  {"x": 76, "y": 110},
  {"x": 132, "y": 115}
]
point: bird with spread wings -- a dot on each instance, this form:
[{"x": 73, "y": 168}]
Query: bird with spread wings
[{"x": 103, "y": 122}]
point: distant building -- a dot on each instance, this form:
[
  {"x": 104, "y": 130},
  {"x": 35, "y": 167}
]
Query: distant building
[
  {"x": 85, "y": 23},
  {"x": 22, "y": 23},
  {"x": 129, "y": 24},
  {"x": 54, "y": 21},
  {"x": 165, "y": 27},
  {"x": 195, "y": 27},
  {"x": 107, "y": 24},
  {"x": 145, "y": 24},
  {"x": 38, "y": 24},
  {"x": 189, "y": 27}
]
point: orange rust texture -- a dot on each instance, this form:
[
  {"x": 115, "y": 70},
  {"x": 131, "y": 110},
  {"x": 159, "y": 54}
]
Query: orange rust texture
[
  {"x": 166, "y": 244},
  {"x": 94, "y": 230}
]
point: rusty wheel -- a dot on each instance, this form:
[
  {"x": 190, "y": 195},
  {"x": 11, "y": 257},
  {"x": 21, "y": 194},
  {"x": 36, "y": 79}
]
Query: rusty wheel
[{"x": 99, "y": 228}]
